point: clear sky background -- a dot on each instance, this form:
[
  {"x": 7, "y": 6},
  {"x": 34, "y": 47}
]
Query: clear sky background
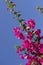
[{"x": 8, "y": 54}]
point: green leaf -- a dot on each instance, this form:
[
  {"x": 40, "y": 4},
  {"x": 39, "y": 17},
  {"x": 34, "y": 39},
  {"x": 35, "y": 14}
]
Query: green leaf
[
  {"x": 24, "y": 26},
  {"x": 21, "y": 20},
  {"x": 19, "y": 15},
  {"x": 42, "y": 12},
  {"x": 38, "y": 7},
  {"x": 13, "y": 5},
  {"x": 17, "y": 47},
  {"x": 15, "y": 13},
  {"x": 9, "y": 6}
]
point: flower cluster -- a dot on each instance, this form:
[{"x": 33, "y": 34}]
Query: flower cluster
[{"x": 31, "y": 47}]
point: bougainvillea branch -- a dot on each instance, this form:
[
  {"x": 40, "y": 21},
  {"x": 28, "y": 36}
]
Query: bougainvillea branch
[
  {"x": 11, "y": 7},
  {"x": 40, "y": 9},
  {"x": 31, "y": 47}
]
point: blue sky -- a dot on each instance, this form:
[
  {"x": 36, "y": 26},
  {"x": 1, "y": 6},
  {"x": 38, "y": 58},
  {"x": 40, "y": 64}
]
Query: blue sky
[{"x": 8, "y": 54}]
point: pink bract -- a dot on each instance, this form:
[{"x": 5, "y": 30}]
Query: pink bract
[
  {"x": 26, "y": 44},
  {"x": 18, "y": 34},
  {"x": 29, "y": 36},
  {"x": 16, "y": 29},
  {"x": 21, "y": 56},
  {"x": 30, "y": 23},
  {"x": 41, "y": 50},
  {"x": 41, "y": 61},
  {"x": 38, "y": 31},
  {"x": 28, "y": 63}
]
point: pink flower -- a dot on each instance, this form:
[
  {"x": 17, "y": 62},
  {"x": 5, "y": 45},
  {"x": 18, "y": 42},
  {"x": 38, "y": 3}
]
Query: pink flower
[
  {"x": 26, "y": 44},
  {"x": 41, "y": 50},
  {"x": 40, "y": 45},
  {"x": 20, "y": 49},
  {"x": 41, "y": 61},
  {"x": 21, "y": 36},
  {"x": 16, "y": 29},
  {"x": 38, "y": 31},
  {"x": 30, "y": 23},
  {"x": 29, "y": 36},
  {"x": 35, "y": 46},
  {"x": 21, "y": 56},
  {"x": 35, "y": 59},
  {"x": 28, "y": 63},
  {"x": 27, "y": 57},
  {"x": 18, "y": 34},
  {"x": 41, "y": 37}
]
